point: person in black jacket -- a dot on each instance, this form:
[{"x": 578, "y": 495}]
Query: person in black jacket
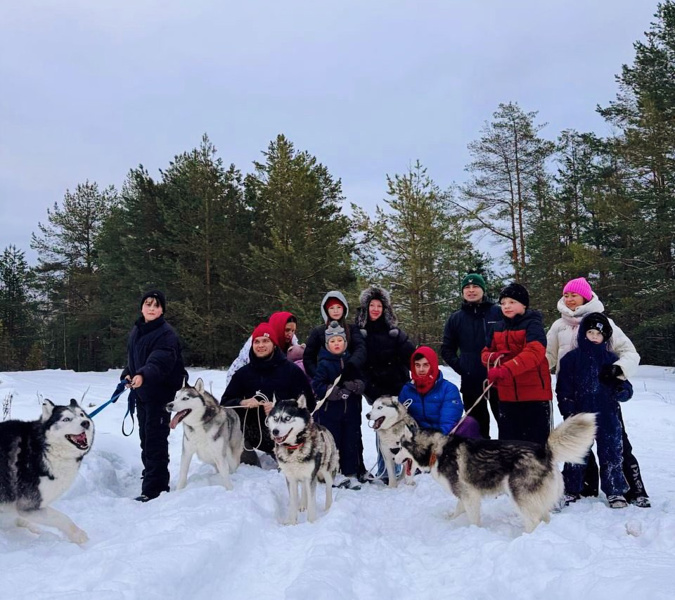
[
  {"x": 388, "y": 352},
  {"x": 268, "y": 375},
  {"x": 155, "y": 372},
  {"x": 466, "y": 334}
]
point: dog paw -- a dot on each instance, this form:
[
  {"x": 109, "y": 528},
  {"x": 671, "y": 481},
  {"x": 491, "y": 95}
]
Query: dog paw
[
  {"x": 21, "y": 522},
  {"x": 410, "y": 482},
  {"x": 78, "y": 536}
]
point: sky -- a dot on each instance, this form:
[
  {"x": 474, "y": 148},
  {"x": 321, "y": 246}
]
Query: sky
[
  {"x": 91, "y": 90},
  {"x": 207, "y": 543}
]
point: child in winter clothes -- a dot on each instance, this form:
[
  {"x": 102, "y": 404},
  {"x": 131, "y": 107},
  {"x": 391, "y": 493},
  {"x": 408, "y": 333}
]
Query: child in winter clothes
[
  {"x": 341, "y": 412},
  {"x": 579, "y": 300},
  {"x": 582, "y": 388},
  {"x": 522, "y": 376},
  {"x": 435, "y": 402}
]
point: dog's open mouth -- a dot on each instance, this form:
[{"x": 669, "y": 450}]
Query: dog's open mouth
[
  {"x": 281, "y": 439},
  {"x": 407, "y": 466},
  {"x": 179, "y": 416},
  {"x": 79, "y": 440},
  {"x": 378, "y": 423}
]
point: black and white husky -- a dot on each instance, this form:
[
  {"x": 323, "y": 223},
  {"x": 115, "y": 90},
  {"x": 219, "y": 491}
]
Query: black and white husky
[
  {"x": 473, "y": 468},
  {"x": 38, "y": 463},
  {"x": 389, "y": 419},
  {"x": 209, "y": 430},
  {"x": 307, "y": 454}
]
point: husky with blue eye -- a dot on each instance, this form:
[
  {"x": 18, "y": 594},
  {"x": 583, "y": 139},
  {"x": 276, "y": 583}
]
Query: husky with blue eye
[
  {"x": 306, "y": 453},
  {"x": 473, "y": 468},
  {"x": 39, "y": 461}
]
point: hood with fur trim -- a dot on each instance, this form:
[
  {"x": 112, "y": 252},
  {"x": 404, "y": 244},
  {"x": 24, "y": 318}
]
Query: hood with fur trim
[{"x": 375, "y": 292}]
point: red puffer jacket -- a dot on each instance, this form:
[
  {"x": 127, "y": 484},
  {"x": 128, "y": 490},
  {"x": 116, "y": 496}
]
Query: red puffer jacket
[{"x": 524, "y": 341}]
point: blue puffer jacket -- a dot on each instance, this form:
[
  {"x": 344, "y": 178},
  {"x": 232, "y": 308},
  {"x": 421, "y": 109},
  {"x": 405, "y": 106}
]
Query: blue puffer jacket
[{"x": 441, "y": 408}]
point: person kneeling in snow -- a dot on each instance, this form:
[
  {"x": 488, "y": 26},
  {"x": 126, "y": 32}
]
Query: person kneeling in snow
[{"x": 581, "y": 388}]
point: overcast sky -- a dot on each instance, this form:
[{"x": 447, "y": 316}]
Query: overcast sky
[{"x": 92, "y": 88}]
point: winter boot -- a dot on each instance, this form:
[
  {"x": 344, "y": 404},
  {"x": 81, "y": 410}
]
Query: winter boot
[{"x": 617, "y": 501}]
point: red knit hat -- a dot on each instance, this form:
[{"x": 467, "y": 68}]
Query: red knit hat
[
  {"x": 332, "y": 302},
  {"x": 579, "y": 286},
  {"x": 265, "y": 330}
]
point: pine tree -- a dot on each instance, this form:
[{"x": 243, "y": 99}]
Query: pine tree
[
  {"x": 301, "y": 243},
  {"x": 423, "y": 250},
  {"x": 507, "y": 169},
  {"x": 68, "y": 276}
]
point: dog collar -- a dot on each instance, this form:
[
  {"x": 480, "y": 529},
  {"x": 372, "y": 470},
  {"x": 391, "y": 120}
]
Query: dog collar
[
  {"x": 432, "y": 460},
  {"x": 300, "y": 445}
]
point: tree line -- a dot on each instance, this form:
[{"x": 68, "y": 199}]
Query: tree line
[{"x": 229, "y": 248}]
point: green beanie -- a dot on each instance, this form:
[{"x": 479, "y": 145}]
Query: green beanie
[{"x": 474, "y": 278}]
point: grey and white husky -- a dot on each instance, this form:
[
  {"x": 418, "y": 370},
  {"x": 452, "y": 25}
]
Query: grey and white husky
[
  {"x": 38, "y": 463},
  {"x": 389, "y": 419},
  {"x": 526, "y": 471},
  {"x": 211, "y": 431},
  {"x": 306, "y": 453}
]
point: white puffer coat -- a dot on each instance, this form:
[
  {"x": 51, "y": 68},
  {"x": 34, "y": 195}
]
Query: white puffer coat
[{"x": 562, "y": 337}]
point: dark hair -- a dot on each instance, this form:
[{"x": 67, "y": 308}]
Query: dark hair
[
  {"x": 418, "y": 356},
  {"x": 291, "y": 319}
]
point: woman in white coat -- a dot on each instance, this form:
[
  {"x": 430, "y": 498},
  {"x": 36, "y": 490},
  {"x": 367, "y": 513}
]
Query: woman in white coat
[{"x": 577, "y": 301}]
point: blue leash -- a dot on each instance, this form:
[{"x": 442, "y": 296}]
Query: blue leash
[{"x": 119, "y": 390}]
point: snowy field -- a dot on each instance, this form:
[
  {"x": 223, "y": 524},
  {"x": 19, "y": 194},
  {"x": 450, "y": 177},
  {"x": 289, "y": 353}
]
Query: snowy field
[{"x": 207, "y": 543}]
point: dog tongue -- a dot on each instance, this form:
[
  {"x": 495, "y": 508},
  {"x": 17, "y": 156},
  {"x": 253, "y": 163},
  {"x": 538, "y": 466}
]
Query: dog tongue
[
  {"x": 177, "y": 418},
  {"x": 81, "y": 438}
]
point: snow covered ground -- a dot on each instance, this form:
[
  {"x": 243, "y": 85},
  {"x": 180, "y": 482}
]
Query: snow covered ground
[{"x": 206, "y": 542}]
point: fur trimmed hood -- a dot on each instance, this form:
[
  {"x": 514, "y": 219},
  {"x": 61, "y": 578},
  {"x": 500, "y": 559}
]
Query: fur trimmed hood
[{"x": 375, "y": 292}]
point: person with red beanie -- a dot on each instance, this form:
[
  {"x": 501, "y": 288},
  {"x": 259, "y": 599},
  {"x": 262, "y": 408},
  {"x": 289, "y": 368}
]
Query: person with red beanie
[
  {"x": 284, "y": 324},
  {"x": 268, "y": 375},
  {"x": 435, "y": 402},
  {"x": 515, "y": 358}
]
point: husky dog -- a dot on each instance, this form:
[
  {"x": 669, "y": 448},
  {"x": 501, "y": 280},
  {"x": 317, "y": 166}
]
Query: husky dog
[
  {"x": 38, "y": 463},
  {"x": 210, "y": 430},
  {"x": 473, "y": 468},
  {"x": 390, "y": 419},
  {"x": 306, "y": 453}
]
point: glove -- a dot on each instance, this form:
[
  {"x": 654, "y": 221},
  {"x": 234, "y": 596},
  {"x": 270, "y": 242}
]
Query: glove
[
  {"x": 357, "y": 386},
  {"x": 499, "y": 375},
  {"x": 609, "y": 374},
  {"x": 338, "y": 393},
  {"x": 624, "y": 391}
]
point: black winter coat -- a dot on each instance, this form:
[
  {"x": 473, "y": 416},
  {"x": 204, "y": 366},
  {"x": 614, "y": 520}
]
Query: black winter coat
[
  {"x": 466, "y": 333},
  {"x": 387, "y": 367},
  {"x": 275, "y": 376},
  {"x": 154, "y": 351},
  {"x": 317, "y": 340}
]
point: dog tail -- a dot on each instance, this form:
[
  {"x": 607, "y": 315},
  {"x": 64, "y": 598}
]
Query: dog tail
[{"x": 570, "y": 441}]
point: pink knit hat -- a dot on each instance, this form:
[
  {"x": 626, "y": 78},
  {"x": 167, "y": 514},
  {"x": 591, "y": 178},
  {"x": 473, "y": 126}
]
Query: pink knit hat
[{"x": 579, "y": 286}]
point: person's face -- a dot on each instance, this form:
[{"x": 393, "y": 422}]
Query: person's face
[
  {"x": 262, "y": 346},
  {"x": 573, "y": 301},
  {"x": 151, "y": 309},
  {"x": 336, "y": 344},
  {"x": 289, "y": 331},
  {"x": 511, "y": 307},
  {"x": 335, "y": 311},
  {"x": 375, "y": 310},
  {"x": 422, "y": 367},
  {"x": 594, "y": 336},
  {"x": 472, "y": 293}
]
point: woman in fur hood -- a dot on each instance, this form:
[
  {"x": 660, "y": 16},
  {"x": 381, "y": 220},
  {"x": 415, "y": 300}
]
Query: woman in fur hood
[
  {"x": 388, "y": 347},
  {"x": 579, "y": 300}
]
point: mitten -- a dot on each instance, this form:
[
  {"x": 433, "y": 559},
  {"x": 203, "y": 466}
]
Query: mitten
[
  {"x": 610, "y": 373},
  {"x": 338, "y": 393},
  {"x": 499, "y": 375},
  {"x": 356, "y": 386},
  {"x": 624, "y": 391}
]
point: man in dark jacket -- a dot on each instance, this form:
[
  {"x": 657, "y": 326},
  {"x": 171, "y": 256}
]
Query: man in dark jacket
[
  {"x": 466, "y": 334},
  {"x": 268, "y": 375},
  {"x": 155, "y": 371}
]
